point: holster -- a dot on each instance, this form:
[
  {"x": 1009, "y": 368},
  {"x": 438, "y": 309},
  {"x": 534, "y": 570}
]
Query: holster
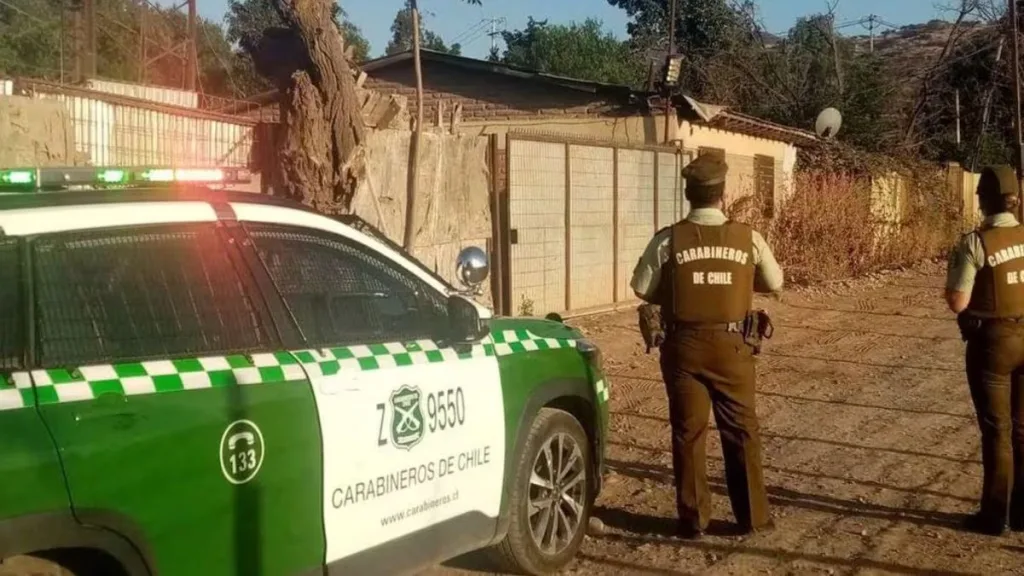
[
  {"x": 652, "y": 327},
  {"x": 757, "y": 327},
  {"x": 969, "y": 325}
]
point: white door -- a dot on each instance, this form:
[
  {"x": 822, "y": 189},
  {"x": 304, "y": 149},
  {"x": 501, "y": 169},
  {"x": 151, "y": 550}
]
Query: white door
[{"x": 413, "y": 430}]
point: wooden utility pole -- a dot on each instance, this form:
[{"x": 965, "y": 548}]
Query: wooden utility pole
[
  {"x": 414, "y": 143},
  {"x": 191, "y": 55},
  {"x": 957, "y": 118},
  {"x": 84, "y": 26},
  {"x": 1014, "y": 38},
  {"x": 671, "y": 52},
  {"x": 142, "y": 43},
  {"x": 89, "y": 12},
  {"x": 871, "y": 31}
]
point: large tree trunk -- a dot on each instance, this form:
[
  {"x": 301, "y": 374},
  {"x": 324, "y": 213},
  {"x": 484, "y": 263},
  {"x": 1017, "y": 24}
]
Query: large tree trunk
[{"x": 322, "y": 124}]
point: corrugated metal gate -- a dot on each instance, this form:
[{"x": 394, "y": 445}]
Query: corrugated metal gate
[
  {"x": 116, "y": 130},
  {"x": 579, "y": 215}
]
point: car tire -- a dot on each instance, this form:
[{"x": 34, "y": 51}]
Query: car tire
[{"x": 527, "y": 547}]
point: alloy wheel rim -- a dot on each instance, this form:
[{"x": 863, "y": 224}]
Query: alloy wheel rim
[{"x": 557, "y": 493}]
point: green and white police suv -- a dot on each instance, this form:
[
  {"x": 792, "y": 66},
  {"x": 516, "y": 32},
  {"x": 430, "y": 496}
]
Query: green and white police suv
[{"x": 202, "y": 382}]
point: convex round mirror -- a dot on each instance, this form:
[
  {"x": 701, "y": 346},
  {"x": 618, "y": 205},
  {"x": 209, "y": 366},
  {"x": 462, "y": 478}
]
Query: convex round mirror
[{"x": 472, "y": 267}]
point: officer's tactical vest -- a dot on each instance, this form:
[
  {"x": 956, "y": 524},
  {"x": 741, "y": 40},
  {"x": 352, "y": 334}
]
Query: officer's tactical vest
[
  {"x": 999, "y": 286},
  {"x": 712, "y": 272}
]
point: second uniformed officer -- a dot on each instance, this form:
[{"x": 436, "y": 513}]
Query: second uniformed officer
[
  {"x": 985, "y": 287},
  {"x": 703, "y": 272}
]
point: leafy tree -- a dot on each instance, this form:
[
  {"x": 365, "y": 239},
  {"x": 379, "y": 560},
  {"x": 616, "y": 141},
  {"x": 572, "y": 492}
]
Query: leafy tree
[
  {"x": 729, "y": 60},
  {"x": 811, "y": 69},
  {"x": 247, "y": 19},
  {"x": 401, "y": 35},
  {"x": 584, "y": 51},
  {"x": 30, "y": 45},
  {"x": 705, "y": 30},
  {"x": 971, "y": 70}
]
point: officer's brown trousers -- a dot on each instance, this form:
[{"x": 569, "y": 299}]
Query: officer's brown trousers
[
  {"x": 705, "y": 370},
  {"x": 995, "y": 373}
]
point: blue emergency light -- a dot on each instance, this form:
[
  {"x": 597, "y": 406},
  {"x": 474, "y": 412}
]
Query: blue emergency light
[{"x": 89, "y": 177}]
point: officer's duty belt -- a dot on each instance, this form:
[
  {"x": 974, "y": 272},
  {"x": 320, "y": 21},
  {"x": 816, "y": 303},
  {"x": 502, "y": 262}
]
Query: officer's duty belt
[
  {"x": 715, "y": 326},
  {"x": 1017, "y": 320},
  {"x": 996, "y": 319}
]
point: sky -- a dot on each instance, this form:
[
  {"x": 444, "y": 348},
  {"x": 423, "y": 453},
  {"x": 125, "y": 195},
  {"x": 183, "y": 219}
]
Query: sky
[{"x": 469, "y": 25}]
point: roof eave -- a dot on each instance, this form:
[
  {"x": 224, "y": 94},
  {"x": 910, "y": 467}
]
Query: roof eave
[
  {"x": 722, "y": 118},
  {"x": 495, "y": 68}
]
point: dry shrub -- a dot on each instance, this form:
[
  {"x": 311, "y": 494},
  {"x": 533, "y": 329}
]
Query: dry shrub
[{"x": 826, "y": 231}]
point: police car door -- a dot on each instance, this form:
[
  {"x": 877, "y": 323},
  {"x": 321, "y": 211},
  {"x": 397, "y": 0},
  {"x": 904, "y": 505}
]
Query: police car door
[{"x": 413, "y": 428}]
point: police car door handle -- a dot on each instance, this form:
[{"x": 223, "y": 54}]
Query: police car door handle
[
  {"x": 351, "y": 383},
  {"x": 108, "y": 405}
]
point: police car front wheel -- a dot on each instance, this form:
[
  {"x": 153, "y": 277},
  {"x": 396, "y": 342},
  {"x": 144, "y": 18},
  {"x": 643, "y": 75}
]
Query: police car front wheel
[{"x": 550, "y": 496}]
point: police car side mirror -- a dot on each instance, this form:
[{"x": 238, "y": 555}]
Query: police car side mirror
[
  {"x": 464, "y": 320},
  {"x": 472, "y": 268}
]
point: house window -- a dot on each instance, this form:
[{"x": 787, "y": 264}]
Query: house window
[{"x": 764, "y": 184}]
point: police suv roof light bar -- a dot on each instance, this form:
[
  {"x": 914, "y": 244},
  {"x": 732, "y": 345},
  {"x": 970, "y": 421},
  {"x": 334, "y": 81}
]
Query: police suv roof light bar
[{"x": 62, "y": 178}]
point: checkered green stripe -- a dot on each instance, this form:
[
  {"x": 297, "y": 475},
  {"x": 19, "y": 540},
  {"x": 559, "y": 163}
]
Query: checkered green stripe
[
  {"x": 330, "y": 361},
  {"x": 141, "y": 378},
  {"x": 518, "y": 341},
  {"x": 602, "y": 390},
  {"x": 21, "y": 395}
]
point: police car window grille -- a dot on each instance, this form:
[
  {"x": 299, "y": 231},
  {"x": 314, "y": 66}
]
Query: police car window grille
[
  {"x": 108, "y": 296},
  {"x": 365, "y": 227},
  {"x": 341, "y": 295},
  {"x": 12, "y": 326}
]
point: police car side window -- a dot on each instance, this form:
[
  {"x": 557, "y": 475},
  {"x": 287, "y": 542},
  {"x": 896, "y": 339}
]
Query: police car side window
[
  {"x": 341, "y": 293},
  {"x": 140, "y": 293},
  {"x": 12, "y": 322}
]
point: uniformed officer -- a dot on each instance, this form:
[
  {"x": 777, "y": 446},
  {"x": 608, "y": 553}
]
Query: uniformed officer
[
  {"x": 985, "y": 287},
  {"x": 703, "y": 272}
]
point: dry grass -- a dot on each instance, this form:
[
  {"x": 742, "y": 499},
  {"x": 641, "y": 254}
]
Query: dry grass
[{"x": 826, "y": 230}]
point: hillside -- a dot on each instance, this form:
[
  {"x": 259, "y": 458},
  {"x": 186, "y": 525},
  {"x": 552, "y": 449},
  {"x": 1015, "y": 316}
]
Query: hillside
[{"x": 911, "y": 51}]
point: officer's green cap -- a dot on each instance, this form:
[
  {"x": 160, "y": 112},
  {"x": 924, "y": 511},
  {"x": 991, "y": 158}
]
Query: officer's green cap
[
  {"x": 706, "y": 170},
  {"x": 705, "y": 179},
  {"x": 999, "y": 180}
]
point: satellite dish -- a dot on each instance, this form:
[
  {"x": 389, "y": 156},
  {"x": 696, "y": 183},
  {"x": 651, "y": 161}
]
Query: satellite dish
[{"x": 828, "y": 123}]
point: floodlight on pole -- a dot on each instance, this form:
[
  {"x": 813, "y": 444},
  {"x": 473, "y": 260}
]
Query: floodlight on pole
[{"x": 673, "y": 69}]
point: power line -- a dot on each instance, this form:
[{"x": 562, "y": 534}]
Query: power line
[
  {"x": 469, "y": 32},
  {"x": 870, "y": 22},
  {"x": 22, "y": 12},
  {"x": 474, "y": 37}
]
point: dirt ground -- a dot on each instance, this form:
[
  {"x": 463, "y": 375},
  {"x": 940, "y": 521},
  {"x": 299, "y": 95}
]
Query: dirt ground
[{"x": 871, "y": 450}]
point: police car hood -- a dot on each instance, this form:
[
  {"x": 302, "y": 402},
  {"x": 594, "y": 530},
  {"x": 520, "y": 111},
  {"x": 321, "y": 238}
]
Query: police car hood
[{"x": 538, "y": 326}]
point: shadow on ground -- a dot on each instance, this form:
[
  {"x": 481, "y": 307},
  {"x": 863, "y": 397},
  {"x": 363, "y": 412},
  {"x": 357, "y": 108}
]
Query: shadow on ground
[{"x": 643, "y": 529}]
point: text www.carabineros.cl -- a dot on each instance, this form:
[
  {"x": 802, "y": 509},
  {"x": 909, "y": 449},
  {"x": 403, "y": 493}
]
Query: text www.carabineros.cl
[{"x": 425, "y": 506}]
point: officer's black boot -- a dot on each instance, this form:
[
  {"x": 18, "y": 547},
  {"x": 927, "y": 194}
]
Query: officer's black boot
[
  {"x": 983, "y": 524},
  {"x": 763, "y": 529},
  {"x": 687, "y": 531}
]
